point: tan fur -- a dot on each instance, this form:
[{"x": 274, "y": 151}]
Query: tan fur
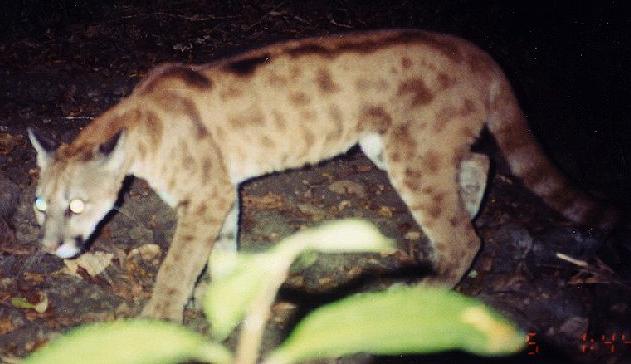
[{"x": 417, "y": 100}]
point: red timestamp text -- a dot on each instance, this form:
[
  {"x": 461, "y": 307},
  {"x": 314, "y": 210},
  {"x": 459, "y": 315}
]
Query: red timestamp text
[{"x": 615, "y": 342}]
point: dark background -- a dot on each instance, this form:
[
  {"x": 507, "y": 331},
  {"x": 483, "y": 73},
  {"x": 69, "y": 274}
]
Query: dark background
[{"x": 63, "y": 61}]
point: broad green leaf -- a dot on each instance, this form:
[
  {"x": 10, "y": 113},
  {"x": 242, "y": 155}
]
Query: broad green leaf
[
  {"x": 351, "y": 235},
  {"x": 129, "y": 342},
  {"x": 228, "y": 297},
  {"x": 400, "y": 320},
  {"x": 245, "y": 277}
]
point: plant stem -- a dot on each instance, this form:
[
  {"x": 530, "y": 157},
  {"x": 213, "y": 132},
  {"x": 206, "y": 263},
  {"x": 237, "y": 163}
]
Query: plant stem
[{"x": 254, "y": 323}]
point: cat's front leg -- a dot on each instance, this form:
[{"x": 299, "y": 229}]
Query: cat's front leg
[{"x": 199, "y": 223}]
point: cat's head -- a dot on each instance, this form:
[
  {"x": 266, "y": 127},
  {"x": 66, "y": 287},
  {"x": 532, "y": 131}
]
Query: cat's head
[{"x": 78, "y": 185}]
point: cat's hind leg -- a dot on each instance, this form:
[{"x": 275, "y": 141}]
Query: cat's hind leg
[{"x": 426, "y": 175}]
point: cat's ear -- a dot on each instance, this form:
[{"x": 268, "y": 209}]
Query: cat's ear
[
  {"x": 43, "y": 145},
  {"x": 112, "y": 151}
]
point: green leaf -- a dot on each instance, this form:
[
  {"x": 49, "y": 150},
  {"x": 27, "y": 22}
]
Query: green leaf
[
  {"x": 350, "y": 235},
  {"x": 246, "y": 276},
  {"x": 228, "y": 297},
  {"x": 400, "y": 320},
  {"x": 129, "y": 342}
]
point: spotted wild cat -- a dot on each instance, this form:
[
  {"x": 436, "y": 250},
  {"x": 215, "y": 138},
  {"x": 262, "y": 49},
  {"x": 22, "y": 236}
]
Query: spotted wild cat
[{"x": 414, "y": 101}]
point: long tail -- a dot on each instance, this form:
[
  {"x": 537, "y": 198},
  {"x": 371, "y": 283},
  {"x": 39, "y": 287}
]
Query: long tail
[{"x": 527, "y": 161}]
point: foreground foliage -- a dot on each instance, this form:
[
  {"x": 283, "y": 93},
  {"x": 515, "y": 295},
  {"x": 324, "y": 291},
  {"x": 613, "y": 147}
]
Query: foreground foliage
[{"x": 399, "y": 320}]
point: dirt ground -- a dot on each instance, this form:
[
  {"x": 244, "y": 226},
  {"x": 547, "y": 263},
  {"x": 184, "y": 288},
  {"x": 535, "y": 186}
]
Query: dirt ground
[{"x": 65, "y": 62}]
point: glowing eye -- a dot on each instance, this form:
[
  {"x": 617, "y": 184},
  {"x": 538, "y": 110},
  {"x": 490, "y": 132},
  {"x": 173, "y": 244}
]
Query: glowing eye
[
  {"x": 76, "y": 206},
  {"x": 40, "y": 204}
]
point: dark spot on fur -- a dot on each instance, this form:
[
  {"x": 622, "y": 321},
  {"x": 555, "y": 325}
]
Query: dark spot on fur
[
  {"x": 468, "y": 107},
  {"x": 416, "y": 87},
  {"x": 401, "y": 134},
  {"x": 185, "y": 74},
  {"x": 188, "y": 237},
  {"x": 246, "y": 66},
  {"x": 256, "y": 119},
  {"x": 108, "y": 146},
  {"x": 406, "y": 62},
  {"x": 154, "y": 128},
  {"x": 175, "y": 103},
  {"x": 435, "y": 211},
  {"x": 432, "y": 161},
  {"x": 375, "y": 118},
  {"x": 201, "y": 209},
  {"x": 299, "y": 98},
  {"x": 183, "y": 204},
  {"x": 438, "y": 198},
  {"x": 411, "y": 173},
  {"x": 445, "y": 81},
  {"x": 412, "y": 183},
  {"x": 253, "y": 119},
  {"x": 325, "y": 82}
]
